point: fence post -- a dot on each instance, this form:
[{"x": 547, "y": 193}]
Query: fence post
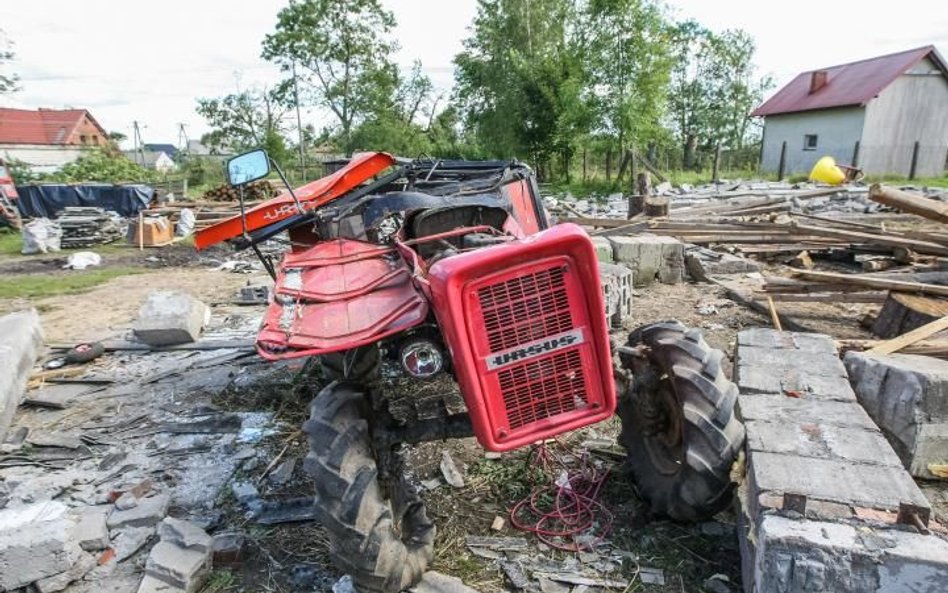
[
  {"x": 584, "y": 165},
  {"x": 914, "y": 160},
  {"x": 717, "y": 162},
  {"x": 782, "y": 167},
  {"x": 608, "y": 164},
  {"x": 855, "y": 162}
]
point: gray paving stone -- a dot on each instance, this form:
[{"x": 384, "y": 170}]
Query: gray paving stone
[
  {"x": 436, "y": 582},
  {"x": 771, "y": 338},
  {"x": 869, "y": 486},
  {"x": 150, "y": 584},
  {"x": 812, "y": 374},
  {"x": 91, "y": 531},
  {"x": 822, "y": 441},
  {"x": 184, "y": 534}
]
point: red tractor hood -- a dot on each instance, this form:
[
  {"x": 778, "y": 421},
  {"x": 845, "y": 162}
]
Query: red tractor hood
[{"x": 313, "y": 195}]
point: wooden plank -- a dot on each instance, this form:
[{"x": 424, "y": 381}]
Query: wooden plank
[
  {"x": 873, "y": 282},
  {"x": 824, "y": 297},
  {"x": 860, "y": 237},
  {"x": 936, "y": 348},
  {"x": 774, "y": 317},
  {"x": 916, "y": 335},
  {"x": 907, "y": 202}
]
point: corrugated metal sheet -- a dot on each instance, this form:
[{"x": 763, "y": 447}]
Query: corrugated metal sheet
[
  {"x": 847, "y": 84},
  {"x": 44, "y": 126}
]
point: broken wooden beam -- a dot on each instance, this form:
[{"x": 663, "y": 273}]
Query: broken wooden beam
[
  {"x": 880, "y": 239},
  {"x": 873, "y": 282},
  {"x": 906, "y": 202}
]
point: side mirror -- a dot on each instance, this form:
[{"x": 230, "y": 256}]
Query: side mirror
[{"x": 247, "y": 167}]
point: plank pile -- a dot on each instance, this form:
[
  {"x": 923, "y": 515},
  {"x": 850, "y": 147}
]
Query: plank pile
[
  {"x": 84, "y": 226},
  {"x": 253, "y": 192}
]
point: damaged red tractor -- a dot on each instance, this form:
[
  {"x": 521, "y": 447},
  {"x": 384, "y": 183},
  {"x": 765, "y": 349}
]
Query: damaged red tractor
[{"x": 440, "y": 266}]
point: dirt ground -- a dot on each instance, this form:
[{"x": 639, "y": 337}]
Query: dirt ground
[{"x": 294, "y": 557}]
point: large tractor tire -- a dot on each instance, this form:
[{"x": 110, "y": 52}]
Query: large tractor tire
[
  {"x": 359, "y": 365},
  {"x": 678, "y": 422},
  {"x": 384, "y": 544}
]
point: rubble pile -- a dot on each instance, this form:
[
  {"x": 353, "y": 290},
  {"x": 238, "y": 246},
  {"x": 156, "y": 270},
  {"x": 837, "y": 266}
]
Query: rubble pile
[{"x": 85, "y": 226}]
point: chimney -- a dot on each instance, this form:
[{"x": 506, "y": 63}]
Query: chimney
[{"x": 818, "y": 80}]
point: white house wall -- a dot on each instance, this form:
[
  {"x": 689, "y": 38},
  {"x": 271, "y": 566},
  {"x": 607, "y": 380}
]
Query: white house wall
[
  {"x": 837, "y": 132},
  {"x": 913, "y": 108},
  {"x": 41, "y": 158}
]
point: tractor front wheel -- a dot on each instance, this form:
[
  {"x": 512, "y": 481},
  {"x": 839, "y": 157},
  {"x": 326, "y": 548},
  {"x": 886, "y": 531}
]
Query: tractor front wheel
[
  {"x": 678, "y": 421},
  {"x": 384, "y": 544}
]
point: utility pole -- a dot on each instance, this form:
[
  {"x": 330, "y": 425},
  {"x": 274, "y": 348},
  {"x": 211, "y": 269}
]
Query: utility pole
[
  {"x": 183, "y": 141},
  {"x": 139, "y": 145},
  {"x": 299, "y": 124}
]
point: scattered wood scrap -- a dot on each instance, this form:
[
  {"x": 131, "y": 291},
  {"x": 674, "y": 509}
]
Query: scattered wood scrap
[{"x": 916, "y": 335}]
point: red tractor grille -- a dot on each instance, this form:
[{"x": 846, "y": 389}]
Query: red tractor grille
[
  {"x": 544, "y": 388},
  {"x": 525, "y": 308}
]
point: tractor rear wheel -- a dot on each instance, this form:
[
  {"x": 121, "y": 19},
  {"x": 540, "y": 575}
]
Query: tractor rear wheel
[
  {"x": 678, "y": 421},
  {"x": 385, "y": 545}
]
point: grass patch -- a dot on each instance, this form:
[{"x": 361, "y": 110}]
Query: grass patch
[
  {"x": 10, "y": 243},
  {"x": 896, "y": 180},
  {"x": 46, "y": 285}
]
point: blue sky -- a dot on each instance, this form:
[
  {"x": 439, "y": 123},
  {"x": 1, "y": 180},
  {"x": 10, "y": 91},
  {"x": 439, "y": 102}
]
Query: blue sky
[{"x": 149, "y": 61}]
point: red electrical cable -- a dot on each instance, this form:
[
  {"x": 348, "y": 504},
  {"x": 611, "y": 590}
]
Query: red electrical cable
[{"x": 569, "y": 508}]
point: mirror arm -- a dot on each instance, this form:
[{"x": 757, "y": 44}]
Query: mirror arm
[{"x": 279, "y": 171}]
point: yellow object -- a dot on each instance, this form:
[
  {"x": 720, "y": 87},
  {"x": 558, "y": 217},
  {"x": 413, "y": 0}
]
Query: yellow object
[{"x": 826, "y": 171}]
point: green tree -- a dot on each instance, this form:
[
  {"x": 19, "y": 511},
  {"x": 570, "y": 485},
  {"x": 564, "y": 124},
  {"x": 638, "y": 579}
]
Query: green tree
[
  {"x": 100, "y": 165},
  {"x": 250, "y": 119},
  {"x": 341, "y": 51},
  {"x": 519, "y": 79},
  {"x": 8, "y": 82},
  {"x": 714, "y": 88},
  {"x": 628, "y": 58}
]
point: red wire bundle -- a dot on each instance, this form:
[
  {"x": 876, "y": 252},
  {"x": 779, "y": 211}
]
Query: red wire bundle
[{"x": 561, "y": 511}]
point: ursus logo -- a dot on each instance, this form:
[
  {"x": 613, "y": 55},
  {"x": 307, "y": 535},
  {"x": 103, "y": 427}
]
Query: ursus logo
[{"x": 535, "y": 349}]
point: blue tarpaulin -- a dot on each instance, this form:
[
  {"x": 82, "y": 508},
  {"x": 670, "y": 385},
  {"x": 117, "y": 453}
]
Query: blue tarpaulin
[{"x": 47, "y": 200}]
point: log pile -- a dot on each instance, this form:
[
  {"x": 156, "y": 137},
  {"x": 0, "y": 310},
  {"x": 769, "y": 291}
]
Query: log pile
[
  {"x": 253, "y": 192},
  {"x": 87, "y": 226}
]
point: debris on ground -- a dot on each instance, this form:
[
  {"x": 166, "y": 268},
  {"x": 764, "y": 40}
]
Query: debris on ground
[
  {"x": 85, "y": 226},
  {"x": 167, "y": 318}
]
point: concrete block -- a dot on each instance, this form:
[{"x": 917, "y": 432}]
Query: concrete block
[
  {"x": 147, "y": 513},
  {"x": 603, "y": 249},
  {"x": 82, "y": 566},
  {"x": 169, "y": 317},
  {"x": 436, "y": 582},
  {"x": 822, "y": 441},
  {"x": 790, "y": 363},
  {"x": 783, "y": 409},
  {"x": 617, "y": 288},
  {"x": 35, "y": 543},
  {"x": 797, "y": 556},
  {"x": 150, "y": 584},
  {"x": 702, "y": 263},
  {"x": 184, "y": 534},
  {"x": 179, "y": 567},
  {"x": 21, "y": 341},
  {"x": 91, "y": 531},
  {"x": 907, "y": 396},
  {"x": 846, "y": 482},
  {"x": 650, "y": 257},
  {"x": 771, "y": 338}
]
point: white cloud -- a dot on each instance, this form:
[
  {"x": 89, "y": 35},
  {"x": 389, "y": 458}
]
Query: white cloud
[{"x": 149, "y": 61}]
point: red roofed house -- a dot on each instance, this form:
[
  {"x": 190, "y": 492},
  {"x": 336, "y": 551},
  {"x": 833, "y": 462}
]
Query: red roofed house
[
  {"x": 881, "y": 114},
  {"x": 47, "y": 139}
]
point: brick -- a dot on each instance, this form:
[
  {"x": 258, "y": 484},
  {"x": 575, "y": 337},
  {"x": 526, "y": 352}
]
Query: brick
[
  {"x": 35, "y": 543},
  {"x": 170, "y": 317},
  {"x": 179, "y": 567},
  {"x": 147, "y": 513},
  {"x": 907, "y": 396}
]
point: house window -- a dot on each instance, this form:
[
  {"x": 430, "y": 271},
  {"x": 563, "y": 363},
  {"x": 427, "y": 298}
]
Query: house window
[
  {"x": 82, "y": 138},
  {"x": 809, "y": 142},
  {"x": 95, "y": 139}
]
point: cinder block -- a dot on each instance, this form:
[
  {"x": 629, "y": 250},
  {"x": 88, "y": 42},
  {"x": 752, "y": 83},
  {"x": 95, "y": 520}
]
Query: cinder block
[
  {"x": 184, "y": 534},
  {"x": 907, "y": 396},
  {"x": 169, "y": 317},
  {"x": 147, "y": 513},
  {"x": 650, "y": 257},
  {"x": 35, "y": 543},
  {"x": 617, "y": 287},
  {"x": 21, "y": 340}
]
